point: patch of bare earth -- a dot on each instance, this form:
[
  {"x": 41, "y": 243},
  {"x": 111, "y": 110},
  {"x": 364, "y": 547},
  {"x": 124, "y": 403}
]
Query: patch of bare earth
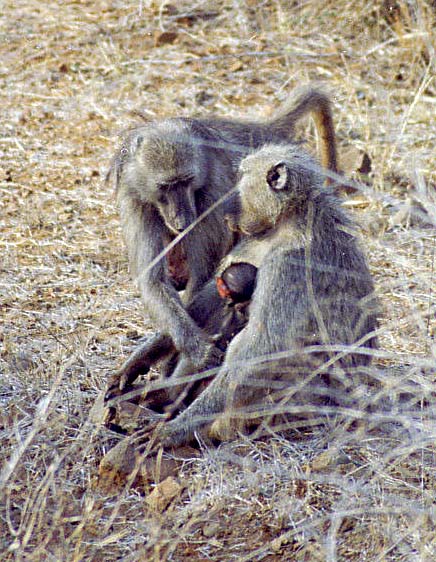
[{"x": 70, "y": 74}]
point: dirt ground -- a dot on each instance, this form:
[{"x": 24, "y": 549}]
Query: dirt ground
[{"x": 72, "y": 74}]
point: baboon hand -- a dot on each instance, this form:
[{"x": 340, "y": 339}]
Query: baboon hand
[
  {"x": 205, "y": 356},
  {"x": 149, "y": 439},
  {"x": 214, "y": 357},
  {"x": 116, "y": 385}
]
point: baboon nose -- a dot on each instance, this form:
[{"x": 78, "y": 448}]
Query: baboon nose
[
  {"x": 180, "y": 227},
  {"x": 180, "y": 224}
]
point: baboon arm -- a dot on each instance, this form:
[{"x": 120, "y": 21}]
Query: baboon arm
[
  {"x": 212, "y": 401},
  {"x": 143, "y": 232},
  {"x": 201, "y": 413}
]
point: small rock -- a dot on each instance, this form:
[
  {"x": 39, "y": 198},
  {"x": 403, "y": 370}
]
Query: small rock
[
  {"x": 351, "y": 159},
  {"x": 165, "y": 38},
  {"x": 329, "y": 459},
  {"x": 131, "y": 417},
  {"x": 117, "y": 466},
  {"x": 276, "y": 544},
  {"x": 236, "y": 66},
  {"x": 210, "y": 530},
  {"x": 164, "y": 494}
]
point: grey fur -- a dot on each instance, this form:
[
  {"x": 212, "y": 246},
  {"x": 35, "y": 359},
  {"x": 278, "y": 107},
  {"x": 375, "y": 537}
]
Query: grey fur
[{"x": 313, "y": 288}]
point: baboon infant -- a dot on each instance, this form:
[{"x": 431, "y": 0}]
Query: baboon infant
[
  {"x": 220, "y": 308},
  {"x": 169, "y": 172},
  {"x": 313, "y": 290}
]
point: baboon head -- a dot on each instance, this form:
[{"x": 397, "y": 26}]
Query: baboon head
[
  {"x": 237, "y": 282},
  {"x": 163, "y": 167},
  {"x": 275, "y": 182}
]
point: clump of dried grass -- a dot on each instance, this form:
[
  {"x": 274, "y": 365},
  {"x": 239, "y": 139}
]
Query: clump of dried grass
[{"x": 70, "y": 73}]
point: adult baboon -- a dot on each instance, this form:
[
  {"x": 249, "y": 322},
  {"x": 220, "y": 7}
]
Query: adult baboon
[
  {"x": 169, "y": 172},
  {"x": 313, "y": 292}
]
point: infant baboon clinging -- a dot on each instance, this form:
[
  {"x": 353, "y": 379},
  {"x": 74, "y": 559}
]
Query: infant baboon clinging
[
  {"x": 237, "y": 282},
  {"x": 220, "y": 309},
  {"x": 169, "y": 172},
  {"x": 313, "y": 290}
]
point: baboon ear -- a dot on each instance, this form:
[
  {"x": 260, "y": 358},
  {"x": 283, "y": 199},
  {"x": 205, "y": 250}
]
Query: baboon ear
[{"x": 277, "y": 177}]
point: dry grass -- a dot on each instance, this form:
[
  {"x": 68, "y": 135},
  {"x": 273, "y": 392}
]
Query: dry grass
[{"x": 70, "y": 72}]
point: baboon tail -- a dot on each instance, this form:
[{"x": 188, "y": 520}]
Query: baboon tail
[{"x": 305, "y": 100}]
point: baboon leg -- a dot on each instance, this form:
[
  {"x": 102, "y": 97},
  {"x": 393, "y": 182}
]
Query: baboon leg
[{"x": 209, "y": 404}]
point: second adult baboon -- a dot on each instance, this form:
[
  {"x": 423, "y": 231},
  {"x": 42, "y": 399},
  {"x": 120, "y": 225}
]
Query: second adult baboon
[
  {"x": 169, "y": 172},
  {"x": 313, "y": 306}
]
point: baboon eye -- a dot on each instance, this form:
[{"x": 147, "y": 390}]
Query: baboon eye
[
  {"x": 163, "y": 199},
  {"x": 277, "y": 177}
]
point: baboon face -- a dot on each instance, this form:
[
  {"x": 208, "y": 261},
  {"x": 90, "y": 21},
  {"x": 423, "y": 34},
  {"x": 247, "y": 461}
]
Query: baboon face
[
  {"x": 166, "y": 171},
  {"x": 175, "y": 200},
  {"x": 274, "y": 183}
]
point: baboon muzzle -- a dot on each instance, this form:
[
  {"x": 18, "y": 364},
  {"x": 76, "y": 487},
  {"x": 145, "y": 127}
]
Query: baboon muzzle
[
  {"x": 181, "y": 223},
  {"x": 181, "y": 212}
]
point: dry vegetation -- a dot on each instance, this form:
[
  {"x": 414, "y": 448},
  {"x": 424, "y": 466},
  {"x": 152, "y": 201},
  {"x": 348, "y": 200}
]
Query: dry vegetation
[{"x": 70, "y": 73}]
